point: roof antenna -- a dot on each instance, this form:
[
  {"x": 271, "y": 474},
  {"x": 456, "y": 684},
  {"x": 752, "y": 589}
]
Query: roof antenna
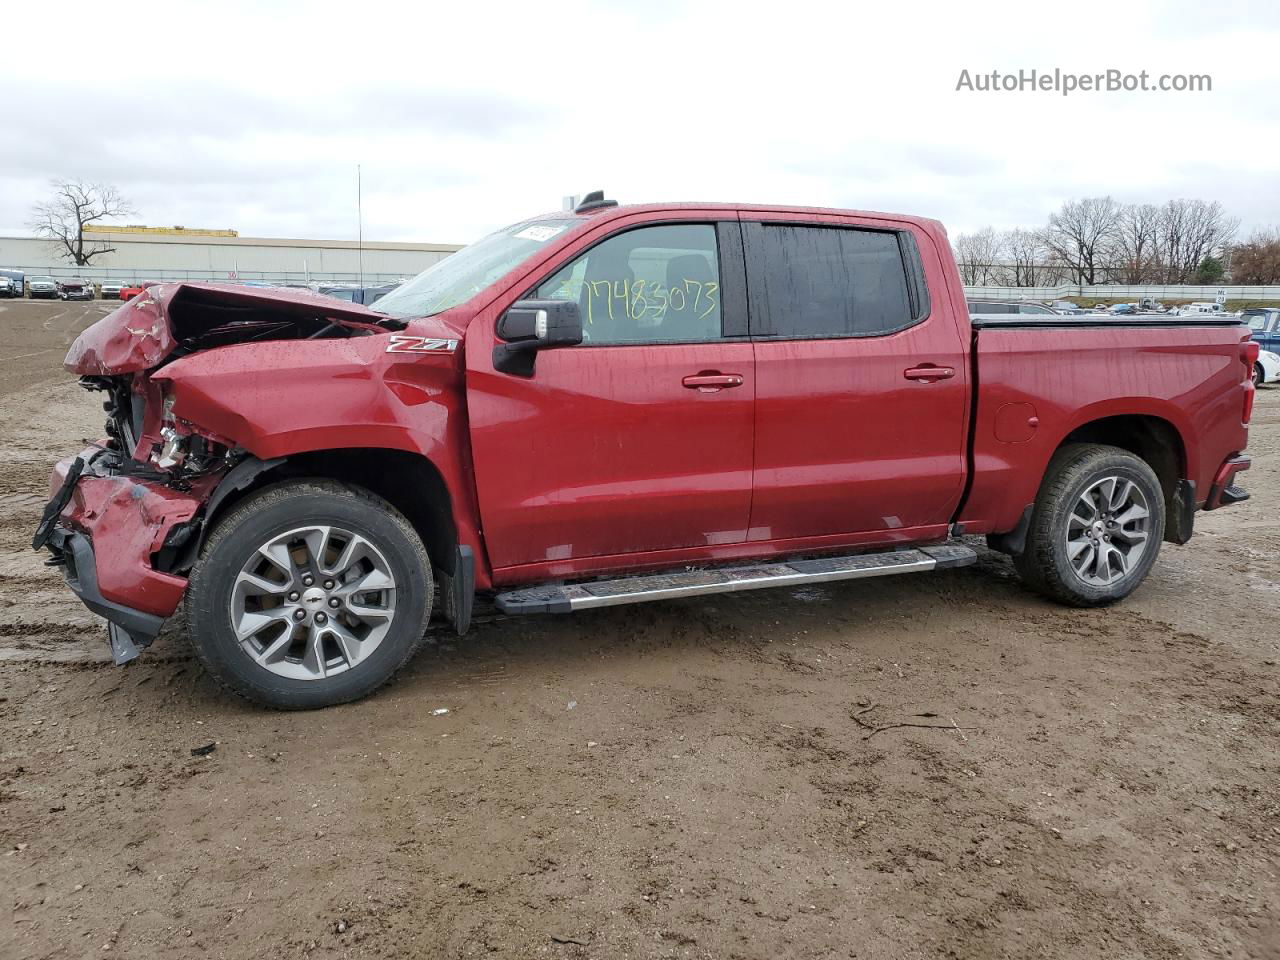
[{"x": 594, "y": 201}]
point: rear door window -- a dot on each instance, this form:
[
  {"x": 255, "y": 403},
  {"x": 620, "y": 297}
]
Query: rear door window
[{"x": 809, "y": 281}]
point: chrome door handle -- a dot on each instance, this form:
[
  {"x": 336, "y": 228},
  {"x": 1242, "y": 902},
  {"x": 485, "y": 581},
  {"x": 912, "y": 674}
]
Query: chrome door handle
[
  {"x": 711, "y": 381},
  {"x": 929, "y": 373}
]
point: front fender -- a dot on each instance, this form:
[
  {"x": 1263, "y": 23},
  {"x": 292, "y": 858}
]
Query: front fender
[
  {"x": 286, "y": 397},
  {"x": 280, "y": 399}
]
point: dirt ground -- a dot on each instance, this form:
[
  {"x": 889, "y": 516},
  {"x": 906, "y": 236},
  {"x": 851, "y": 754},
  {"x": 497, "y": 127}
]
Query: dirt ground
[{"x": 719, "y": 777}]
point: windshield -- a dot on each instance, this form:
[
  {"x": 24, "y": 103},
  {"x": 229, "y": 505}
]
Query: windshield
[{"x": 460, "y": 276}]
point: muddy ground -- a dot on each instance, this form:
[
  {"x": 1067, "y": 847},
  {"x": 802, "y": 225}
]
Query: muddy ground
[{"x": 706, "y": 778}]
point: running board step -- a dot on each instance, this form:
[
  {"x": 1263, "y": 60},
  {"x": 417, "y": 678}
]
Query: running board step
[{"x": 565, "y": 598}]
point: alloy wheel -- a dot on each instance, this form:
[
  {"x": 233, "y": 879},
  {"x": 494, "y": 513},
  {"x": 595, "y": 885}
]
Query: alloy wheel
[
  {"x": 313, "y": 602},
  {"x": 1107, "y": 530}
]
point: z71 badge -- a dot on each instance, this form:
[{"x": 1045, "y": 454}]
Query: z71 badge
[{"x": 401, "y": 343}]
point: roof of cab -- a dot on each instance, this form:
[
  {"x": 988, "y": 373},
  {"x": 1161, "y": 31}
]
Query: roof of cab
[{"x": 625, "y": 210}]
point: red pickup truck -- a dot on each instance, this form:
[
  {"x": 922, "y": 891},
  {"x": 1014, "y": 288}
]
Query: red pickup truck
[{"x": 611, "y": 405}]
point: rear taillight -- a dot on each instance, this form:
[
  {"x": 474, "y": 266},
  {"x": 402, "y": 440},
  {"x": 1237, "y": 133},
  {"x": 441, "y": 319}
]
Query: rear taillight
[
  {"x": 1249, "y": 354},
  {"x": 1249, "y": 357}
]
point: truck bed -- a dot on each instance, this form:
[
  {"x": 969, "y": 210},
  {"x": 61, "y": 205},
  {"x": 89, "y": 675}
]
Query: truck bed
[{"x": 1038, "y": 380}]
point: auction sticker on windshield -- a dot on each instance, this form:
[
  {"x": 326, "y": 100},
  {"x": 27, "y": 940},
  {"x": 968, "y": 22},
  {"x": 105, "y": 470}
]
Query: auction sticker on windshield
[{"x": 539, "y": 233}]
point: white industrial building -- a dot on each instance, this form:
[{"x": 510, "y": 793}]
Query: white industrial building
[{"x": 176, "y": 253}]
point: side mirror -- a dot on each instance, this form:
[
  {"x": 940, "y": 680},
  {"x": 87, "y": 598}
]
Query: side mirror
[{"x": 532, "y": 325}]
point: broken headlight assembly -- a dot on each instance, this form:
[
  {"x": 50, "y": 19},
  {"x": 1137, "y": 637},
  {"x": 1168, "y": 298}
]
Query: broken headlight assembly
[
  {"x": 183, "y": 450},
  {"x": 173, "y": 451}
]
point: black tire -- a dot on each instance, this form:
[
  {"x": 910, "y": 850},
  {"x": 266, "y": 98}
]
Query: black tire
[
  {"x": 276, "y": 510},
  {"x": 1044, "y": 565},
  {"x": 1259, "y": 376}
]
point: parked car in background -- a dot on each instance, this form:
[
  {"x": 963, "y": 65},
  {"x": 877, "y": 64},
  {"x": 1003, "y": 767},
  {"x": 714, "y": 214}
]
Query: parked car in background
[
  {"x": 1264, "y": 325},
  {"x": 347, "y": 292},
  {"x": 110, "y": 289},
  {"x": 1067, "y": 308},
  {"x": 1123, "y": 309},
  {"x": 75, "y": 289},
  {"x": 42, "y": 288},
  {"x": 1267, "y": 368},
  {"x": 131, "y": 290},
  {"x": 622, "y": 393},
  {"x": 1025, "y": 308},
  {"x": 6, "y": 287},
  {"x": 1195, "y": 309},
  {"x": 373, "y": 294},
  {"x": 353, "y": 294},
  {"x": 17, "y": 282}
]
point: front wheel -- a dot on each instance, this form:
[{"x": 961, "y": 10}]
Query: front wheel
[
  {"x": 1259, "y": 375},
  {"x": 1096, "y": 527},
  {"x": 308, "y": 594}
]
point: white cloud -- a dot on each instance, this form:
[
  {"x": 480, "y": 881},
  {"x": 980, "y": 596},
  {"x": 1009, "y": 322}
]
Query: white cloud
[{"x": 254, "y": 115}]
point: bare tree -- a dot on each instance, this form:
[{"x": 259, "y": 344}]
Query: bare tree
[
  {"x": 1026, "y": 254},
  {"x": 1191, "y": 230},
  {"x": 1257, "y": 260},
  {"x": 74, "y": 207},
  {"x": 977, "y": 255},
  {"x": 1137, "y": 244},
  {"x": 1082, "y": 235}
]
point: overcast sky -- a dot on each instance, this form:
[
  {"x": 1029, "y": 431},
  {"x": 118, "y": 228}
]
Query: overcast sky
[{"x": 469, "y": 115}]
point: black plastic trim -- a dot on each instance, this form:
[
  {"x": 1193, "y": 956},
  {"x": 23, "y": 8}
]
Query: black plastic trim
[
  {"x": 1182, "y": 512},
  {"x": 1014, "y": 541},
  {"x": 554, "y": 603},
  {"x": 594, "y": 201},
  {"x": 733, "y": 280},
  {"x": 1032, "y": 322},
  {"x": 1233, "y": 494},
  {"x": 82, "y": 578},
  {"x": 49, "y": 518},
  {"x": 917, "y": 289},
  {"x": 462, "y": 590}
]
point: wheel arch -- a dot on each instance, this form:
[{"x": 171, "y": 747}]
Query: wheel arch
[
  {"x": 409, "y": 481},
  {"x": 1151, "y": 438}
]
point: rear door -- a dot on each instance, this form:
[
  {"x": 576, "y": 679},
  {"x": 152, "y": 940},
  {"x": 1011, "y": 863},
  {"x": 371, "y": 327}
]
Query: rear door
[
  {"x": 638, "y": 440},
  {"x": 861, "y": 382}
]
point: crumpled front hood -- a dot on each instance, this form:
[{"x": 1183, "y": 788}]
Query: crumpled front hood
[{"x": 146, "y": 330}]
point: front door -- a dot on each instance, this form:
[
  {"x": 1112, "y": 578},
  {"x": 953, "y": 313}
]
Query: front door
[
  {"x": 861, "y": 384},
  {"x": 638, "y": 440}
]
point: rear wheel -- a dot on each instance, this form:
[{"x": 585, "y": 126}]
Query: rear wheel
[
  {"x": 308, "y": 594},
  {"x": 1259, "y": 375},
  {"x": 1096, "y": 526}
]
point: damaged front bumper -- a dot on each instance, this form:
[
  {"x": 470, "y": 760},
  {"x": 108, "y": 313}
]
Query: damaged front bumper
[{"x": 106, "y": 529}]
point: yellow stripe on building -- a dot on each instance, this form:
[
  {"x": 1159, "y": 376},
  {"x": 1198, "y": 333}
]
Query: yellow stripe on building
[{"x": 181, "y": 231}]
